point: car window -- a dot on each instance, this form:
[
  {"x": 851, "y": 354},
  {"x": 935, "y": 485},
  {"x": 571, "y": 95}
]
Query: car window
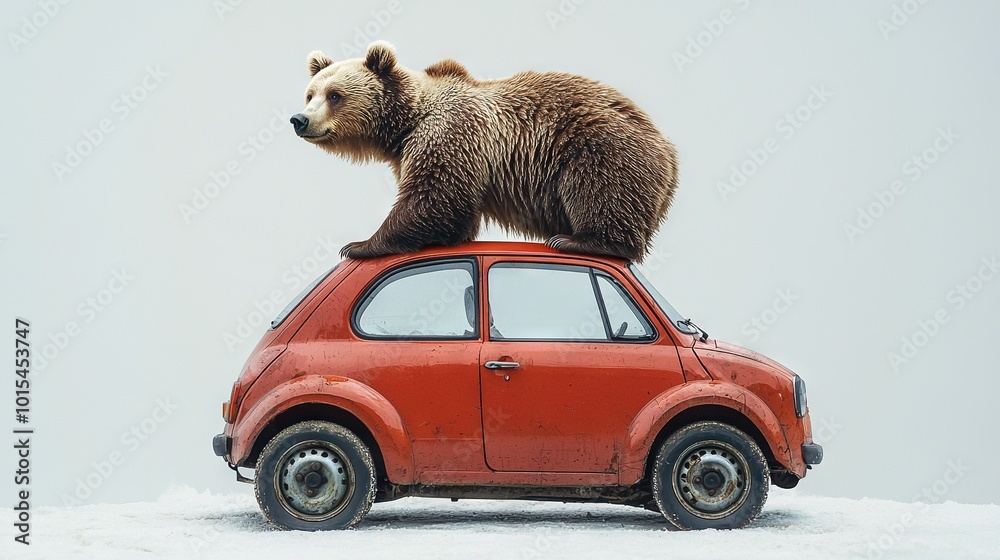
[
  {"x": 544, "y": 302},
  {"x": 301, "y": 297},
  {"x": 426, "y": 301},
  {"x": 675, "y": 318},
  {"x": 627, "y": 322}
]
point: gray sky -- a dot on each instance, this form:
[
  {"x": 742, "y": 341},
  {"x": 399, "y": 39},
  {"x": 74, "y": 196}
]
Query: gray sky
[{"x": 803, "y": 228}]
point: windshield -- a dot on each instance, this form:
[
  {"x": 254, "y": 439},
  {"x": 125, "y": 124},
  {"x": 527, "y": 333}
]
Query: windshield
[
  {"x": 676, "y": 318},
  {"x": 298, "y": 299}
]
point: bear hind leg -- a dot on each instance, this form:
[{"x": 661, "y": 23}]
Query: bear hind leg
[{"x": 608, "y": 212}]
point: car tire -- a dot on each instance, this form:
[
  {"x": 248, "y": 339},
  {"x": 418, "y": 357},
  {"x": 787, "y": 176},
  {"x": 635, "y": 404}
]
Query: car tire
[
  {"x": 315, "y": 476},
  {"x": 710, "y": 475}
]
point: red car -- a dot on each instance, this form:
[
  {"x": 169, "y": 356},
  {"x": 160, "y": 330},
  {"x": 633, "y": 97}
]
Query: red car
[{"x": 507, "y": 370}]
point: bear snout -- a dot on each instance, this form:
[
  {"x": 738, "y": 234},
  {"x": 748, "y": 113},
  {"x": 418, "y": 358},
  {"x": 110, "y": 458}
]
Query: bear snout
[{"x": 300, "y": 122}]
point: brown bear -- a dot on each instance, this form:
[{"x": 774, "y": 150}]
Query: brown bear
[{"x": 549, "y": 155}]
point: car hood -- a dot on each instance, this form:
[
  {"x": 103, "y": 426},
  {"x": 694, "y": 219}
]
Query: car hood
[{"x": 734, "y": 350}]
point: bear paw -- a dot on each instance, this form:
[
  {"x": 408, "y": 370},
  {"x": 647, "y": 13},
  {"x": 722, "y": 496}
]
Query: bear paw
[
  {"x": 358, "y": 250},
  {"x": 592, "y": 246},
  {"x": 562, "y": 243}
]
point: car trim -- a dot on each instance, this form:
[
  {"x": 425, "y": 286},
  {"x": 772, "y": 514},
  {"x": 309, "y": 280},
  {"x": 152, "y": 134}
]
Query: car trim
[{"x": 601, "y": 306}]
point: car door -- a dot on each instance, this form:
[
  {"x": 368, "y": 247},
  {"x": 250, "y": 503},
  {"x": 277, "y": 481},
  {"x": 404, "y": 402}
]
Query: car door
[
  {"x": 569, "y": 360},
  {"x": 420, "y": 351}
]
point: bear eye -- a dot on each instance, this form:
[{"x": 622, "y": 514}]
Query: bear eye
[
  {"x": 333, "y": 97},
  {"x": 309, "y": 98}
]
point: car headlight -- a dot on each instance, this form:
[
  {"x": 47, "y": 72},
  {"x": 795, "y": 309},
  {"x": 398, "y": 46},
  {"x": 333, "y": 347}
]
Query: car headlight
[{"x": 801, "y": 406}]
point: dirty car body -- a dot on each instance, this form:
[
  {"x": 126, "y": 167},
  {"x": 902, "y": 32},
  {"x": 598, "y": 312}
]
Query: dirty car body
[{"x": 507, "y": 370}]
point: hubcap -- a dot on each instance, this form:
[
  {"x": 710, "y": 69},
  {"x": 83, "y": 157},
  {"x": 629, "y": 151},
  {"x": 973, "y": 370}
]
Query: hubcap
[
  {"x": 314, "y": 480},
  {"x": 711, "y": 479}
]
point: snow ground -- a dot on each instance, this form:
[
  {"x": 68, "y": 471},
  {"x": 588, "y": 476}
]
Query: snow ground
[{"x": 186, "y": 524}]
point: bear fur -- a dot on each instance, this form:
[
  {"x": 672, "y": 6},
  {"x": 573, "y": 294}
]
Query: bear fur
[{"x": 548, "y": 155}]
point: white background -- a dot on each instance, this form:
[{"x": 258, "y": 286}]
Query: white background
[{"x": 226, "y": 76}]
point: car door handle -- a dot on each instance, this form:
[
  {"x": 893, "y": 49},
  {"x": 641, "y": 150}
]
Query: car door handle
[{"x": 494, "y": 364}]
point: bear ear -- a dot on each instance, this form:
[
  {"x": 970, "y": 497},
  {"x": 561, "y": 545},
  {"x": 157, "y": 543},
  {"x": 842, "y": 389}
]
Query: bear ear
[
  {"x": 317, "y": 61},
  {"x": 447, "y": 68},
  {"x": 381, "y": 57}
]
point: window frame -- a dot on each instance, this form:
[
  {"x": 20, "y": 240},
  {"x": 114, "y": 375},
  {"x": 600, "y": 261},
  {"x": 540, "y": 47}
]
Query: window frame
[
  {"x": 592, "y": 272},
  {"x": 629, "y": 301},
  {"x": 383, "y": 279}
]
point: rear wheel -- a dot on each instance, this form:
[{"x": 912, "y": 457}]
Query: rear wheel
[
  {"x": 709, "y": 475},
  {"x": 315, "y": 476}
]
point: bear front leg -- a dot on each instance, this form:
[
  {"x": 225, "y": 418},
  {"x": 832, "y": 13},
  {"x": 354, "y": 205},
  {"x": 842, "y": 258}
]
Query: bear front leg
[
  {"x": 412, "y": 225},
  {"x": 359, "y": 250}
]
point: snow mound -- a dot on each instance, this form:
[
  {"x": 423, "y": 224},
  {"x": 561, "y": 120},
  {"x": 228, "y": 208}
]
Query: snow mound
[{"x": 188, "y": 524}]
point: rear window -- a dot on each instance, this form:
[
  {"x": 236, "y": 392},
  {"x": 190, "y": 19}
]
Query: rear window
[{"x": 302, "y": 296}]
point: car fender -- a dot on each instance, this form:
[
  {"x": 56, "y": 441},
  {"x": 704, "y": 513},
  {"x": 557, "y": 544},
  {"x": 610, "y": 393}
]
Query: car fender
[
  {"x": 371, "y": 408},
  {"x": 658, "y": 412}
]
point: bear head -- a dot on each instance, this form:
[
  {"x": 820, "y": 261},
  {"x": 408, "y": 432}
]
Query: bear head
[{"x": 356, "y": 108}]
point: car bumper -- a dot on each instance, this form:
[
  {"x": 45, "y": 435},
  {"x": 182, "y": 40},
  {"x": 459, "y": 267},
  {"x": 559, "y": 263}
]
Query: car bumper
[
  {"x": 222, "y": 445},
  {"x": 812, "y": 453}
]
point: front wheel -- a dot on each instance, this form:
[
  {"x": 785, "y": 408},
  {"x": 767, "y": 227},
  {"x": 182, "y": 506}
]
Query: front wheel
[
  {"x": 315, "y": 476},
  {"x": 709, "y": 475}
]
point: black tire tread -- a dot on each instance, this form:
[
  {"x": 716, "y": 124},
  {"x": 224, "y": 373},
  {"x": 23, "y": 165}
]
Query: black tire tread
[
  {"x": 332, "y": 429},
  {"x": 757, "y": 460}
]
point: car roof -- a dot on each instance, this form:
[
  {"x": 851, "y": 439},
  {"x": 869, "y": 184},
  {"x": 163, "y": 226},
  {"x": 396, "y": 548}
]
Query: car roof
[{"x": 510, "y": 248}]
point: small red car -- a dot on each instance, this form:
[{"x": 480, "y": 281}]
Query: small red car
[{"x": 507, "y": 370}]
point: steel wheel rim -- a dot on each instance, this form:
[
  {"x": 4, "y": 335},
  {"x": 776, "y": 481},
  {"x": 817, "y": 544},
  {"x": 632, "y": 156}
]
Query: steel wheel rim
[
  {"x": 314, "y": 480},
  {"x": 711, "y": 479}
]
